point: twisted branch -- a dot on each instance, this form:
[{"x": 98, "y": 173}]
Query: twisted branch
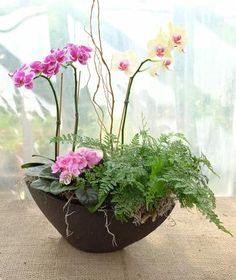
[{"x": 98, "y": 48}]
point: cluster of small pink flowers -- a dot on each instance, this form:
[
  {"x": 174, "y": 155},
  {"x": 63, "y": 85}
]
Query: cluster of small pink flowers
[
  {"x": 72, "y": 164},
  {"x": 51, "y": 64}
]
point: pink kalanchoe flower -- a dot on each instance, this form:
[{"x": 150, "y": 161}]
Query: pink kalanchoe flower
[
  {"x": 81, "y": 161},
  {"x": 65, "y": 177},
  {"x": 55, "y": 167},
  {"x": 36, "y": 67},
  {"x": 93, "y": 157},
  {"x": 74, "y": 163}
]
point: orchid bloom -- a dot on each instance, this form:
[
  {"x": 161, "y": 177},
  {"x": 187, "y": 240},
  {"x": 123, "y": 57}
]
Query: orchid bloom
[
  {"x": 163, "y": 64},
  {"x": 159, "y": 46},
  {"x": 23, "y": 77},
  {"x": 158, "y": 66},
  {"x": 78, "y": 53},
  {"x": 126, "y": 62},
  {"x": 36, "y": 67},
  {"x": 50, "y": 65},
  {"x": 177, "y": 37},
  {"x": 59, "y": 54}
]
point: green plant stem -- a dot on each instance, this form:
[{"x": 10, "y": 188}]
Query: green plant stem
[
  {"x": 126, "y": 102},
  {"x": 76, "y": 94},
  {"x": 58, "y": 122}
]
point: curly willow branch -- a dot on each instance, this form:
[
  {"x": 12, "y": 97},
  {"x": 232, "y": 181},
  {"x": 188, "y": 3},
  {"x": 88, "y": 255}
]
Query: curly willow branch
[
  {"x": 95, "y": 93},
  {"x": 101, "y": 80},
  {"x": 105, "y": 86},
  {"x": 95, "y": 105},
  {"x": 102, "y": 62}
]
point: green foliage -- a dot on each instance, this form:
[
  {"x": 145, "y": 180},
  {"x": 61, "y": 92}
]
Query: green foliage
[
  {"x": 83, "y": 141},
  {"x": 34, "y": 171},
  {"x": 87, "y": 197},
  {"x": 47, "y": 174},
  {"x": 31, "y": 164},
  {"x": 53, "y": 187},
  {"x": 136, "y": 176}
]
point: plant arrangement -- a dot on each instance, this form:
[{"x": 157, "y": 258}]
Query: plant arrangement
[{"x": 139, "y": 180}]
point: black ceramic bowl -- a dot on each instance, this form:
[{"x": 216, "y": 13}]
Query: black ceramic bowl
[{"x": 88, "y": 232}]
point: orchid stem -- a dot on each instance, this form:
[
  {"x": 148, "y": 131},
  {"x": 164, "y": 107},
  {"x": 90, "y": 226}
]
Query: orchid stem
[
  {"x": 60, "y": 106},
  {"x": 58, "y": 122},
  {"x": 76, "y": 99},
  {"x": 126, "y": 103}
]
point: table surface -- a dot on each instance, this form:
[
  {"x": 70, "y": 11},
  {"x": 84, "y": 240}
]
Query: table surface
[{"x": 185, "y": 247}]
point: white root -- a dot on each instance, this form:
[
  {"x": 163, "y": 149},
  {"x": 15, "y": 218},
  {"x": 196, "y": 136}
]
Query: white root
[
  {"x": 114, "y": 244},
  {"x": 162, "y": 207},
  {"x": 67, "y": 207}
]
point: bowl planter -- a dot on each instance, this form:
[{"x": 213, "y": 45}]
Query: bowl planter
[
  {"x": 137, "y": 178},
  {"x": 88, "y": 232}
]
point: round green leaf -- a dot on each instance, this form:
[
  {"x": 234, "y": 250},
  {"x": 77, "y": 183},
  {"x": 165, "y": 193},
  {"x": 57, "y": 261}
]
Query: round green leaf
[{"x": 87, "y": 197}]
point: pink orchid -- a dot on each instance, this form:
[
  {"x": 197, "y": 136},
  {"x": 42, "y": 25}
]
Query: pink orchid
[
  {"x": 59, "y": 54},
  {"x": 125, "y": 61},
  {"x": 123, "y": 65},
  {"x": 80, "y": 53},
  {"x": 160, "y": 50},
  {"x": 83, "y": 54},
  {"x": 50, "y": 65},
  {"x": 72, "y": 51},
  {"x": 159, "y": 46},
  {"x": 36, "y": 67},
  {"x": 22, "y": 77},
  {"x": 29, "y": 80},
  {"x": 85, "y": 48},
  {"x": 177, "y": 38},
  {"x": 166, "y": 63},
  {"x": 18, "y": 78}
]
